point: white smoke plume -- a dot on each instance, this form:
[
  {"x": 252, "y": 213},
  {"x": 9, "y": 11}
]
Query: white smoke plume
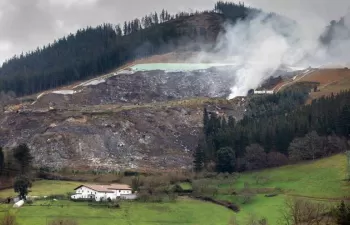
[{"x": 259, "y": 47}]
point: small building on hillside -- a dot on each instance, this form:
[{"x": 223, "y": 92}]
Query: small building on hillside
[
  {"x": 262, "y": 92},
  {"x": 103, "y": 192}
]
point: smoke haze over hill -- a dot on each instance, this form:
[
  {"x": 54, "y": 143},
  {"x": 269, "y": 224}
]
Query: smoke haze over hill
[
  {"x": 261, "y": 45},
  {"x": 24, "y": 25}
]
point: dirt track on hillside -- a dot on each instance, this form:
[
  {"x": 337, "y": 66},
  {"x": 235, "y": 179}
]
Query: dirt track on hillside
[{"x": 327, "y": 76}]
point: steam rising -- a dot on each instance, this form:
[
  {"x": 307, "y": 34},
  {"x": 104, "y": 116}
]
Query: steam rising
[{"x": 261, "y": 45}]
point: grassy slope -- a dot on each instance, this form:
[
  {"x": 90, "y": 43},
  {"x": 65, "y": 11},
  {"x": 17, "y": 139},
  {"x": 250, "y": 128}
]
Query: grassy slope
[
  {"x": 184, "y": 211},
  {"x": 319, "y": 180},
  {"x": 331, "y": 81},
  {"x": 45, "y": 188},
  {"x": 322, "y": 178}
]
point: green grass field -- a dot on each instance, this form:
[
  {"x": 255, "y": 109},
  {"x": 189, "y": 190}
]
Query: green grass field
[
  {"x": 186, "y": 186},
  {"x": 321, "y": 180},
  {"x": 45, "y": 188},
  {"x": 184, "y": 211}
]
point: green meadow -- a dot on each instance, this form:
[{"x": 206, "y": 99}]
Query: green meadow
[
  {"x": 183, "y": 211},
  {"x": 321, "y": 180}
]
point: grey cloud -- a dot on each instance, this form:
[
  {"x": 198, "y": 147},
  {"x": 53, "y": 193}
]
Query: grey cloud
[
  {"x": 304, "y": 10},
  {"x": 26, "y": 24},
  {"x": 21, "y": 19}
]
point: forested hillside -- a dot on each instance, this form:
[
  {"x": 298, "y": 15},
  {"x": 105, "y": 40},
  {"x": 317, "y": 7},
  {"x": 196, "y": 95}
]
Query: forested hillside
[
  {"x": 275, "y": 130},
  {"x": 93, "y": 51}
]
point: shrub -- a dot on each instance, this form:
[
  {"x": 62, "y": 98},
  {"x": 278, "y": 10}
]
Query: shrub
[
  {"x": 63, "y": 222},
  {"x": 205, "y": 174},
  {"x": 232, "y": 221},
  {"x": 255, "y": 157},
  {"x": 260, "y": 179},
  {"x": 8, "y": 219},
  {"x": 301, "y": 211},
  {"x": 58, "y": 197},
  {"x": 202, "y": 188},
  {"x": 254, "y": 220},
  {"x": 342, "y": 214},
  {"x": 177, "y": 188},
  {"x": 29, "y": 201},
  {"x": 246, "y": 198},
  {"x": 130, "y": 173},
  {"x": 276, "y": 159},
  {"x": 271, "y": 195},
  {"x": 113, "y": 205},
  {"x": 176, "y": 177}
]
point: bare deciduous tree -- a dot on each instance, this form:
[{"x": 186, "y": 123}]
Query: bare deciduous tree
[
  {"x": 309, "y": 147},
  {"x": 255, "y": 157},
  {"x": 297, "y": 211},
  {"x": 275, "y": 159}
]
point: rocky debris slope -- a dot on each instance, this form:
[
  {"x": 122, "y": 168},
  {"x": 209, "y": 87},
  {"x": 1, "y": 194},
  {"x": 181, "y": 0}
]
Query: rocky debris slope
[
  {"x": 161, "y": 135},
  {"x": 144, "y": 87}
]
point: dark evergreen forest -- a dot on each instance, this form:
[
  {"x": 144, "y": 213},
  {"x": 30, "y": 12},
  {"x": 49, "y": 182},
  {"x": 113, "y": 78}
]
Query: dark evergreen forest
[
  {"x": 93, "y": 51},
  {"x": 276, "y": 129}
]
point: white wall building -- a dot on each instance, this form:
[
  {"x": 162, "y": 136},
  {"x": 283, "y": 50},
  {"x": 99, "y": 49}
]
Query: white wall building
[
  {"x": 103, "y": 192},
  {"x": 270, "y": 92}
]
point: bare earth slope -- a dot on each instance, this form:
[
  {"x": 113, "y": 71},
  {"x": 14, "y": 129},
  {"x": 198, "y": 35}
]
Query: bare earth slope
[
  {"x": 116, "y": 137},
  {"x": 143, "y": 87},
  {"x": 124, "y": 120},
  {"x": 331, "y": 81},
  {"x": 130, "y": 119}
]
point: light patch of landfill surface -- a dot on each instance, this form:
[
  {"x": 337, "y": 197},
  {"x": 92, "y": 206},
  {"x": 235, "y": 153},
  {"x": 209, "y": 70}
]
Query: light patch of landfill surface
[{"x": 145, "y": 87}]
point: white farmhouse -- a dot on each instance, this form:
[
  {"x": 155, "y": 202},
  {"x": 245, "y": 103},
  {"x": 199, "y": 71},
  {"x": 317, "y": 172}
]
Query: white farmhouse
[{"x": 103, "y": 192}]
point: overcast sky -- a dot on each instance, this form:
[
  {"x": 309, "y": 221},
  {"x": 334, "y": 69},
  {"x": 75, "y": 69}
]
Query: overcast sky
[{"x": 26, "y": 24}]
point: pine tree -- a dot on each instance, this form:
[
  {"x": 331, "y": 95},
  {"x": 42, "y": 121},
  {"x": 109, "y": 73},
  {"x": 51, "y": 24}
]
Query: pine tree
[
  {"x": 231, "y": 122},
  {"x": 118, "y": 31},
  {"x": 22, "y": 154},
  {"x": 198, "y": 159},
  {"x": 129, "y": 27},
  {"x": 344, "y": 121},
  {"x": 156, "y": 18},
  {"x": 2, "y": 160},
  {"x": 125, "y": 28},
  {"x": 226, "y": 160},
  {"x": 348, "y": 166},
  {"x": 21, "y": 185},
  {"x": 343, "y": 214},
  {"x": 167, "y": 16},
  {"x": 224, "y": 125},
  {"x": 162, "y": 16},
  {"x": 205, "y": 121}
]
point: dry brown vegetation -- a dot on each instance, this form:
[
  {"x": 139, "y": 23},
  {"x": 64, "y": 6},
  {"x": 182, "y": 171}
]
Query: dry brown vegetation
[
  {"x": 63, "y": 222},
  {"x": 298, "y": 211},
  {"x": 331, "y": 81},
  {"x": 8, "y": 219}
]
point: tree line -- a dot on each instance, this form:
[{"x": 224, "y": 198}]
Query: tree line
[
  {"x": 234, "y": 11},
  {"x": 275, "y": 130},
  {"x": 17, "y": 163},
  {"x": 93, "y": 51}
]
